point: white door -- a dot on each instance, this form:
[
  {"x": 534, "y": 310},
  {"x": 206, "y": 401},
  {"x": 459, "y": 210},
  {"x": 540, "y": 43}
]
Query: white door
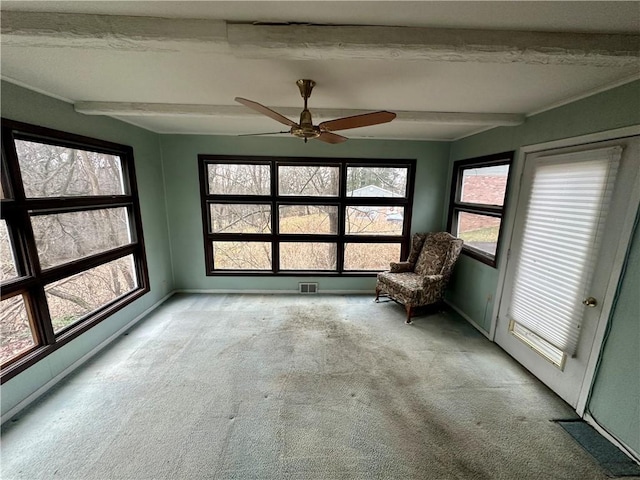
[{"x": 565, "y": 258}]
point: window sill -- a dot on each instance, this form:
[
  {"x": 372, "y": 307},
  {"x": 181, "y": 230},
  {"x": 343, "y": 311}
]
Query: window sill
[
  {"x": 482, "y": 257},
  {"x": 244, "y": 273}
]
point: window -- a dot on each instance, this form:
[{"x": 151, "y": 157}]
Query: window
[
  {"x": 478, "y": 192},
  {"x": 300, "y": 216},
  {"x": 71, "y": 241}
]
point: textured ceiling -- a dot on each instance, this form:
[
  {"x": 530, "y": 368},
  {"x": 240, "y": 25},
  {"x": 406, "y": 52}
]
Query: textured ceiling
[{"x": 145, "y": 71}]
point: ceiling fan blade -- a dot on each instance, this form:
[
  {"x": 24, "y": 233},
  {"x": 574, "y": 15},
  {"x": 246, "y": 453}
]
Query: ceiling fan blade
[
  {"x": 357, "y": 121},
  {"x": 265, "y": 133},
  {"x": 329, "y": 137},
  {"x": 266, "y": 111}
]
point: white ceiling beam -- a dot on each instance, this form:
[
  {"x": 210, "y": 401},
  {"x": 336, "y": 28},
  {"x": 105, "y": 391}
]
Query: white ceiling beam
[
  {"x": 53, "y": 30},
  {"x": 127, "y": 109},
  {"x": 317, "y": 42}
]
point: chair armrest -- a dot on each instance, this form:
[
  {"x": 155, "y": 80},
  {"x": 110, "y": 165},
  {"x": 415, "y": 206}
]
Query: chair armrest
[
  {"x": 399, "y": 267},
  {"x": 430, "y": 280}
]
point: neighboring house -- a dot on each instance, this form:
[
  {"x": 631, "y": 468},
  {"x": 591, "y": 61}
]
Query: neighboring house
[
  {"x": 371, "y": 191},
  {"x": 391, "y": 213}
]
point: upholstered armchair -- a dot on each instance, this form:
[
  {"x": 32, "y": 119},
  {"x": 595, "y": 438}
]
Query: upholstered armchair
[{"x": 422, "y": 278}]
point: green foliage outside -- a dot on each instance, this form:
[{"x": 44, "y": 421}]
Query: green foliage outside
[{"x": 489, "y": 234}]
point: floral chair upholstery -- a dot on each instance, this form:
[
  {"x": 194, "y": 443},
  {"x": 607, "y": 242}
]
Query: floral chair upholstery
[{"x": 422, "y": 278}]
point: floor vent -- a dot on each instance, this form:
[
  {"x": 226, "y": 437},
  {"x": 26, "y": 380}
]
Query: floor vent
[{"x": 308, "y": 288}]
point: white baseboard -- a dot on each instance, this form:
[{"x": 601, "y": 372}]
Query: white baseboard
[
  {"x": 277, "y": 292},
  {"x": 51, "y": 383},
  {"x": 468, "y": 319},
  {"x": 635, "y": 456}
]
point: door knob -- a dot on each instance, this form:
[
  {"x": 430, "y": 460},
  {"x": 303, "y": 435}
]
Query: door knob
[{"x": 590, "y": 302}]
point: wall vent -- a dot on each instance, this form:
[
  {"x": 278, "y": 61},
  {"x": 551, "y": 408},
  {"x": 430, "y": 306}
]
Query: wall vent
[{"x": 308, "y": 288}]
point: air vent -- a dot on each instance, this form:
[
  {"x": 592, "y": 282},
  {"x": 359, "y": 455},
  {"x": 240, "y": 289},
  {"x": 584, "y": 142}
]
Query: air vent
[{"x": 308, "y": 288}]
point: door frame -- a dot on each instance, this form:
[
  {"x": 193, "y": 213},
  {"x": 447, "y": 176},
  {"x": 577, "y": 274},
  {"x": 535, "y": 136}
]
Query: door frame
[{"x": 509, "y": 220}]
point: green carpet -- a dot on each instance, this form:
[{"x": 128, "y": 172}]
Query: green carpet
[{"x": 296, "y": 387}]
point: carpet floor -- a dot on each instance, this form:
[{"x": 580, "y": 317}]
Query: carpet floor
[{"x": 296, "y": 387}]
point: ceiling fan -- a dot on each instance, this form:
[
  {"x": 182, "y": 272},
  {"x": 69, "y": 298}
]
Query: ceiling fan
[{"x": 323, "y": 131}]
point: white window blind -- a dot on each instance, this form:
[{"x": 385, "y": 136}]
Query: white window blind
[{"x": 568, "y": 202}]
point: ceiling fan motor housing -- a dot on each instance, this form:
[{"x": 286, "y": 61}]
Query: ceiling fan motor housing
[{"x": 306, "y": 129}]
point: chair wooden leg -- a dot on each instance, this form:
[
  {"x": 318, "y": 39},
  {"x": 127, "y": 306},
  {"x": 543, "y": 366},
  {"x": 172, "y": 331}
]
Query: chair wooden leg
[
  {"x": 377, "y": 294},
  {"x": 409, "y": 310}
]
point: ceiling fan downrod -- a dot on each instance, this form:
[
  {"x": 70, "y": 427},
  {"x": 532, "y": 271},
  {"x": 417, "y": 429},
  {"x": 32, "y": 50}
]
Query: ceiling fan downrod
[{"x": 306, "y": 128}]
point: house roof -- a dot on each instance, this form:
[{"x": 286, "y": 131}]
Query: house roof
[{"x": 371, "y": 191}]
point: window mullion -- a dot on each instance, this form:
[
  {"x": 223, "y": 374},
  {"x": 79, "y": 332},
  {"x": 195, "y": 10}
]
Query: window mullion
[
  {"x": 275, "y": 218},
  {"x": 12, "y": 173},
  {"x": 46, "y": 206},
  {"x": 341, "y": 237},
  {"x": 491, "y": 210},
  {"x": 342, "y": 193},
  {"x": 19, "y": 225},
  {"x": 39, "y": 309},
  {"x": 80, "y": 265},
  {"x": 25, "y": 245}
]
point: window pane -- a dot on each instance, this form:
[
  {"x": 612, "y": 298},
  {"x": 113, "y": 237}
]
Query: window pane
[
  {"x": 479, "y": 231},
  {"x": 64, "y": 237},
  {"x": 15, "y": 331},
  {"x": 240, "y": 218},
  {"x": 53, "y": 171},
  {"x": 369, "y": 220},
  {"x": 485, "y": 185},
  {"x": 309, "y": 219},
  {"x": 8, "y": 265},
  {"x": 242, "y": 255},
  {"x": 71, "y": 298},
  {"x": 376, "y": 182},
  {"x": 239, "y": 179},
  {"x": 308, "y": 181},
  {"x": 370, "y": 256},
  {"x": 308, "y": 256}
]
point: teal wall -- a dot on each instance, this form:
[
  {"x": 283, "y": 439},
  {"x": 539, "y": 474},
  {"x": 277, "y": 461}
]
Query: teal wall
[
  {"x": 180, "y": 158},
  {"x": 472, "y": 290},
  {"x": 616, "y": 389},
  {"x": 30, "y": 107},
  {"x": 615, "y": 395}
]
